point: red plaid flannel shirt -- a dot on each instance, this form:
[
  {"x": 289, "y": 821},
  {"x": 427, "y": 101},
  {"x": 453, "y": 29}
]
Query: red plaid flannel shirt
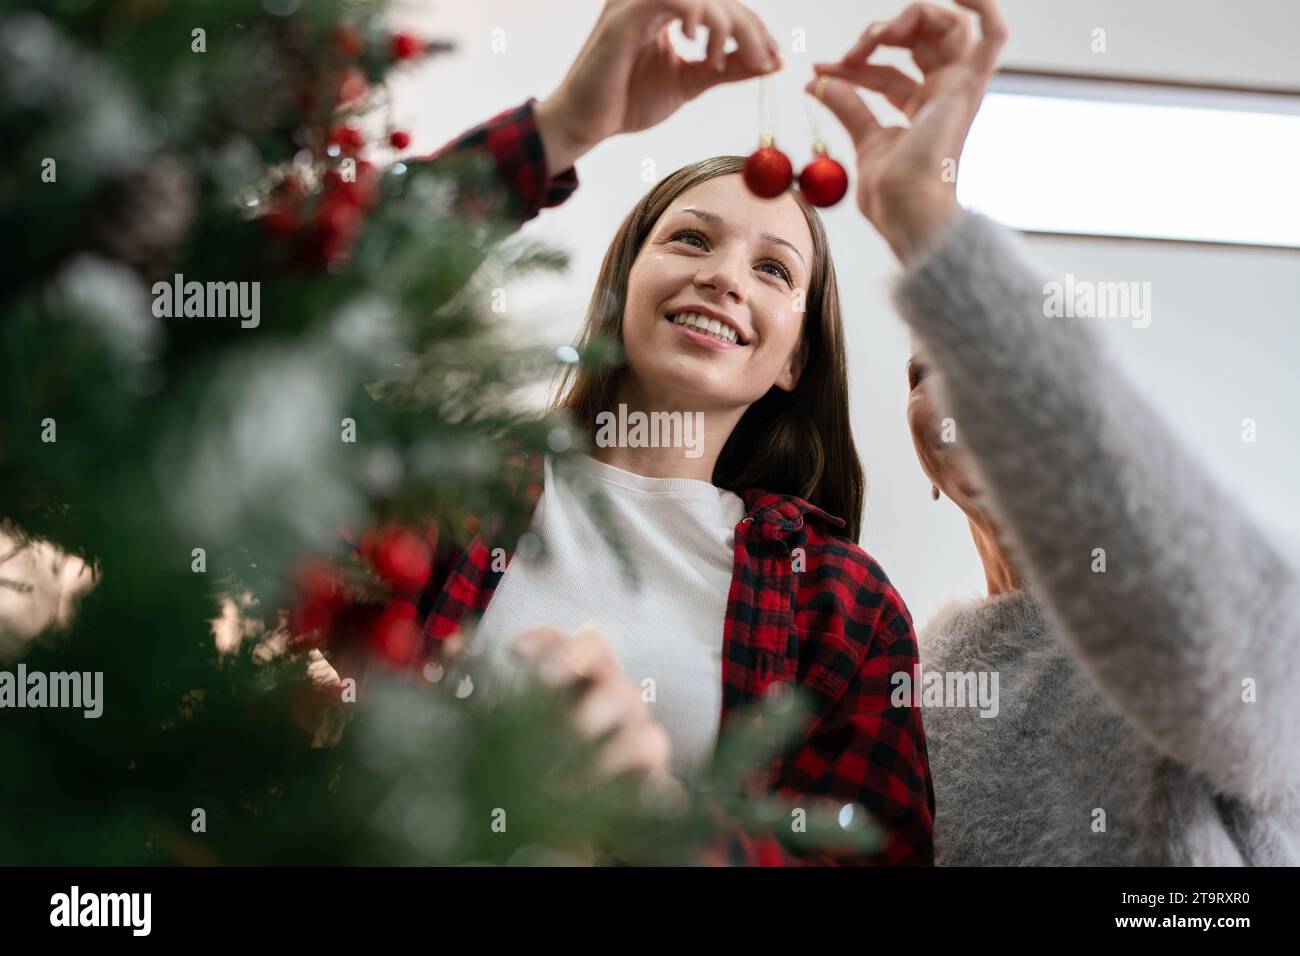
[{"x": 837, "y": 627}]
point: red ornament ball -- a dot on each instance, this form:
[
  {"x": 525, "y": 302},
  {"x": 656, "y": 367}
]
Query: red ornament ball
[
  {"x": 406, "y": 46},
  {"x": 400, "y": 139},
  {"x": 339, "y": 216},
  {"x": 823, "y": 182},
  {"x": 361, "y": 189},
  {"x": 347, "y": 137},
  {"x": 395, "y": 635},
  {"x": 320, "y": 596},
  {"x": 402, "y": 559},
  {"x": 768, "y": 172}
]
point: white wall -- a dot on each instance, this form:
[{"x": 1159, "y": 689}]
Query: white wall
[{"x": 1224, "y": 334}]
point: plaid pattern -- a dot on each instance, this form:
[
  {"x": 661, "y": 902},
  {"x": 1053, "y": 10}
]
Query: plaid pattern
[
  {"x": 836, "y": 627},
  {"x": 511, "y": 140}
]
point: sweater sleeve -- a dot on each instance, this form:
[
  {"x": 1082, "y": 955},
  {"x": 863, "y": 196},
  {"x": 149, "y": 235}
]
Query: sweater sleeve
[
  {"x": 1195, "y": 605},
  {"x": 513, "y": 144}
]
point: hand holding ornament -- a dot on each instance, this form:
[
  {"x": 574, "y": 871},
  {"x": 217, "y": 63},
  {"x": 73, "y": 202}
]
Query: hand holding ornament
[
  {"x": 628, "y": 77},
  {"x": 901, "y": 183}
]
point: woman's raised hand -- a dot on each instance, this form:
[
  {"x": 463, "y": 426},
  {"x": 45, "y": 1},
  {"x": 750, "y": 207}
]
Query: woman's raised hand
[
  {"x": 628, "y": 77},
  {"x": 907, "y": 175}
]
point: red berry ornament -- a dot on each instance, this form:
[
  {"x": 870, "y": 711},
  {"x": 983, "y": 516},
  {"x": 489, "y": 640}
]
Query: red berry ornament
[
  {"x": 320, "y": 596},
  {"x": 406, "y": 46},
  {"x": 402, "y": 559},
  {"x": 768, "y": 172},
  {"x": 395, "y": 635},
  {"x": 400, "y": 139},
  {"x": 347, "y": 138},
  {"x": 361, "y": 188},
  {"x": 823, "y": 182}
]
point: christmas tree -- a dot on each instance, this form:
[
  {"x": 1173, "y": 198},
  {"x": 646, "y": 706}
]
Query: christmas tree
[{"x": 241, "y": 367}]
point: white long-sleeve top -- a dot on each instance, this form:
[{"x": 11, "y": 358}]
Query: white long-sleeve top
[{"x": 664, "y": 626}]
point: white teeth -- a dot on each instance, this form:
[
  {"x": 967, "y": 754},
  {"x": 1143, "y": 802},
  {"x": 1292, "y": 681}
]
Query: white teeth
[{"x": 706, "y": 325}]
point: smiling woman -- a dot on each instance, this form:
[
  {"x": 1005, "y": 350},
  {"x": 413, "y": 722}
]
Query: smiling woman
[
  {"x": 748, "y": 576},
  {"x": 778, "y": 396}
]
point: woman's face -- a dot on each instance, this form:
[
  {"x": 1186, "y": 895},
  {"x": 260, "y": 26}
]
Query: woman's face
[
  {"x": 721, "y": 253},
  {"x": 936, "y": 440}
]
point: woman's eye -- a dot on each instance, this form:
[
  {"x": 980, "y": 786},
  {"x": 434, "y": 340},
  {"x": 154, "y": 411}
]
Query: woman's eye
[
  {"x": 916, "y": 373},
  {"x": 692, "y": 237},
  {"x": 781, "y": 271}
]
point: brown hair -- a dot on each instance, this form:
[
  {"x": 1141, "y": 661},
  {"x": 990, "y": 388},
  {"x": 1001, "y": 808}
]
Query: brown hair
[{"x": 797, "y": 442}]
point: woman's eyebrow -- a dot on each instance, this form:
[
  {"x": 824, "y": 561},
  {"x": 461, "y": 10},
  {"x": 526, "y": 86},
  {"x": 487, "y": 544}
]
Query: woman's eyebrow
[{"x": 714, "y": 218}]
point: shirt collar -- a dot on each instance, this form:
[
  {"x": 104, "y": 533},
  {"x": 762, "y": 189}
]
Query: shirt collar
[
  {"x": 784, "y": 512},
  {"x": 781, "y": 513}
]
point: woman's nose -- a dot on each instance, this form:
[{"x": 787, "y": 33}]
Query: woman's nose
[{"x": 723, "y": 274}]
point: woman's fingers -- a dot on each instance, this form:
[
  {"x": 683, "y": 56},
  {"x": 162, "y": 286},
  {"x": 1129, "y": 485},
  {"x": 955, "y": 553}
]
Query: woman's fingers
[
  {"x": 773, "y": 48},
  {"x": 750, "y": 42},
  {"x": 900, "y": 89},
  {"x": 561, "y": 661},
  {"x": 698, "y": 76},
  {"x": 884, "y": 33},
  {"x": 936, "y": 36},
  {"x": 537, "y": 642},
  {"x": 691, "y": 12},
  {"x": 540, "y": 648},
  {"x": 607, "y": 706},
  {"x": 866, "y": 44},
  {"x": 587, "y": 654},
  {"x": 719, "y": 27},
  {"x": 756, "y": 45},
  {"x": 927, "y": 20},
  {"x": 640, "y": 750},
  {"x": 843, "y": 101},
  {"x": 993, "y": 34}
]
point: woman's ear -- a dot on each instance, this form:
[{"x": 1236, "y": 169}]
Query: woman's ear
[{"x": 793, "y": 368}]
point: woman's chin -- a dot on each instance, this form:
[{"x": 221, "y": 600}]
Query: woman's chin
[{"x": 681, "y": 378}]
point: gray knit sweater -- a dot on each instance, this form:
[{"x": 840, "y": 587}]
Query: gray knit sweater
[{"x": 1127, "y": 691}]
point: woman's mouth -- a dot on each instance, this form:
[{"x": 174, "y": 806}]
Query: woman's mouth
[{"x": 705, "y": 330}]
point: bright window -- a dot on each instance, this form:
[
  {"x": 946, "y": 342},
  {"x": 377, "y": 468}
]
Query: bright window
[{"x": 1105, "y": 158}]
